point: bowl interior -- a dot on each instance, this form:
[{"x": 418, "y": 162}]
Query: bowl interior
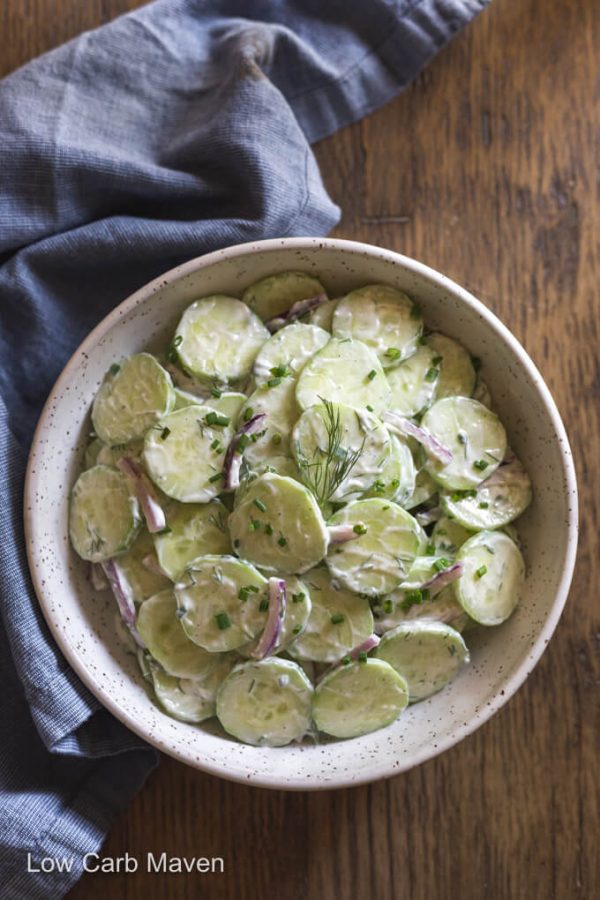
[{"x": 83, "y": 621}]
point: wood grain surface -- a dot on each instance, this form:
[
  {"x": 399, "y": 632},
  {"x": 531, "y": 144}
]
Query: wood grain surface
[{"x": 487, "y": 169}]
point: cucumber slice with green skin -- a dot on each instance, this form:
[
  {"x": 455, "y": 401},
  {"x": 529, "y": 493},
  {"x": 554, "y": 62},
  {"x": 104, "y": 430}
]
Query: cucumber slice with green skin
[
  {"x": 413, "y": 382},
  {"x": 178, "y": 703},
  {"x": 395, "y": 608},
  {"x": 161, "y": 631},
  {"x": 278, "y": 526},
  {"x": 457, "y": 375},
  {"x": 104, "y": 517},
  {"x": 140, "y": 581},
  {"x": 275, "y": 294},
  {"x": 427, "y": 654},
  {"x": 380, "y": 558},
  {"x": 448, "y": 536},
  {"x": 282, "y": 412},
  {"x": 339, "y": 450},
  {"x": 280, "y": 465},
  {"x": 383, "y": 318},
  {"x": 217, "y": 339},
  {"x": 110, "y": 456},
  {"x": 474, "y": 435},
  {"x": 297, "y": 611},
  {"x": 91, "y": 453},
  {"x": 339, "y": 621},
  {"x": 183, "y": 454},
  {"x": 221, "y": 602},
  {"x": 185, "y": 398},
  {"x": 132, "y": 398},
  {"x": 323, "y": 315},
  {"x": 266, "y": 703},
  {"x": 359, "y": 698},
  {"x": 288, "y": 350},
  {"x": 344, "y": 371},
  {"x": 196, "y": 529},
  {"x": 498, "y": 500},
  {"x": 397, "y": 478},
  {"x": 423, "y": 569},
  {"x": 494, "y": 572},
  {"x": 425, "y": 489},
  {"x": 230, "y": 403}
]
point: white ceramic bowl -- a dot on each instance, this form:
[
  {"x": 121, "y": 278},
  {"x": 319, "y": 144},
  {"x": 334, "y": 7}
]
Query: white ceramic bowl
[{"x": 83, "y": 622}]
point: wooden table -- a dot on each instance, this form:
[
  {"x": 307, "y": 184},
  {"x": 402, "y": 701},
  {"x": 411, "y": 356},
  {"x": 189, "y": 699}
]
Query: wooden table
[{"x": 486, "y": 169}]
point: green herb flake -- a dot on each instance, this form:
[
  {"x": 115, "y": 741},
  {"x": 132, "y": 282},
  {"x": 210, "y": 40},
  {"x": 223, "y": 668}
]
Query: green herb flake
[
  {"x": 263, "y": 605},
  {"x": 215, "y": 418},
  {"x": 441, "y": 564},
  {"x": 216, "y": 477},
  {"x": 483, "y": 504},
  {"x": 346, "y": 660},
  {"x": 431, "y": 374},
  {"x": 481, "y": 571},
  {"x": 337, "y": 618},
  {"x": 282, "y": 541},
  {"x": 393, "y": 353},
  {"x": 378, "y": 487},
  {"x": 362, "y": 657},
  {"x": 388, "y": 607},
  {"x": 216, "y": 393},
  {"x": 165, "y": 530},
  {"x": 280, "y": 371},
  {"x": 371, "y": 375},
  {"x": 254, "y": 525},
  {"x": 369, "y": 408},
  {"x": 248, "y": 413},
  {"x": 260, "y": 505},
  {"x": 480, "y": 464},
  {"x": 296, "y": 629},
  {"x": 430, "y": 549},
  {"x": 359, "y": 528},
  {"x": 268, "y": 529},
  {"x": 299, "y": 597},
  {"x": 223, "y": 621},
  {"x": 273, "y": 382},
  {"x": 114, "y": 368}
]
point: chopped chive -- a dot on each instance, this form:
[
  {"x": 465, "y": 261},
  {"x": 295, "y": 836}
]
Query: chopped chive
[
  {"x": 463, "y": 495},
  {"x": 216, "y": 477},
  {"x": 484, "y": 504},
  {"x": 223, "y": 621},
  {"x": 359, "y": 528},
  {"x": 412, "y": 598},
  {"x": 242, "y": 443},
  {"x": 388, "y": 606},
  {"x": 430, "y": 549},
  {"x": 215, "y": 418},
  {"x": 337, "y": 618},
  {"x": 431, "y": 374},
  {"x": 480, "y": 464},
  {"x": 215, "y": 444},
  {"x": 372, "y": 374},
  {"x": 177, "y": 340},
  {"x": 165, "y": 433},
  {"x": 254, "y": 525},
  {"x": 346, "y": 660},
  {"x": 370, "y": 408},
  {"x": 378, "y": 486},
  {"x": 282, "y": 541},
  {"x": 248, "y": 413},
  {"x": 280, "y": 371},
  {"x": 268, "y": 528},
  {"x": 260, "y": 505},
  {"x": 263, "y": 605},
  {"x": 296, "y": 629},
  {"x": 165, "y": 530},
  {"x": 393, "y": 353},
  {"x": 216, "y": 393},
  {"x": 114, "y": 368},
  {"x": 362, "y": 657},
  {"x": 298, "y": 598},
  {"x": 273, "y": 382},
  {"x": 395, "y": 484},
  {"x": 441, "y": 564},
  {"x": 481, "y": 571}
]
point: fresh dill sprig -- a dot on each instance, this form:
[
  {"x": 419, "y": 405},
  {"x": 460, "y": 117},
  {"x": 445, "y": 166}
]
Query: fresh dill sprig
[{"x": 329, "y": 467}]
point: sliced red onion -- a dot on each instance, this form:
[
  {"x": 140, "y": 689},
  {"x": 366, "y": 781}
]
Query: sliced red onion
[
  {"x": 97, "y": 579},
  {"x": 443, "y": 578},
  {"x": 427, "y": 516},
  {"x": 143, "y": 490},
  {"x": 150, "y": 563},
  {"x": 297, "y": 309},
  {"x": 233, "y": 461},
  {"x": 431, "y": 444},
  {"x": 370, "y": 644},
  {"x": 272, "y": 629},
  {"x": 123, "y": 598},
  {"x": 340, "y": 534}
]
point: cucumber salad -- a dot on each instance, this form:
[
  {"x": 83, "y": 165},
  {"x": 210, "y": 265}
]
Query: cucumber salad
[{"x": 303, "y": 506}]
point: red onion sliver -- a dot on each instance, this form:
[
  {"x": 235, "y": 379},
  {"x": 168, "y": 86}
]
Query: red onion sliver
[
  {"x": 431, "y": 444},
  {"x": 97, "y": 579},
  {"x": 370, "y": 644},
  {"x": 272, "y": 629},
  {"x": 143, "y": 490},
  {"x": 340, "y": 534},
  {"x": 443, "y": 578},
  {"x": 297, "y": 309},
  {"x": 123, "y": 598},
  {"x": 233, "y": 461}
]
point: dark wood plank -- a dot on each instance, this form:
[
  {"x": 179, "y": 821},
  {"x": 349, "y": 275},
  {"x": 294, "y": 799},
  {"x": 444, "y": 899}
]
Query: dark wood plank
[{"x": 487, "y": 169}]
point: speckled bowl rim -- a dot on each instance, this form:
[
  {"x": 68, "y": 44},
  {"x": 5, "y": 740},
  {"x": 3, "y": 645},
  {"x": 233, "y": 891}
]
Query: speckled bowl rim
[{"x": 522, "y": 671}]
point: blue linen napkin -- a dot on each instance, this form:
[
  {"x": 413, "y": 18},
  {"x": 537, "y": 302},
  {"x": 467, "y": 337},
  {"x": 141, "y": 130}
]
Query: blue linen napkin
[{"x": 175, "y": 130}]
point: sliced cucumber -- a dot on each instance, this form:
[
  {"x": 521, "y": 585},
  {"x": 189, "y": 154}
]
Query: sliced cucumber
[
  {"x": 91, "y": 452},
  {"x": 323, "y": 315},
  {"x": 110, "y": 456},
  {"x": 423, "y": 569},
  {"x": 401, "y": 606},
  {"x": 339, "y": 620},
  {"x": 397, "y": 478},
  {"x": 383, "y": 318},
  {"x": 221, "y": 602},
  {"x": 195, "y": 529},
  {"x": 266, "y": 703},
  {"x": 185, "y": 398},
  {"x": 278, "y": 402},
  {"x": 498, "y": 500},
  {"x": 457, "y": 375},
  {"x": 184, "y": 453},
  {"x": 178, "y": 703},
  {"x": 344, "y": 371},
  {"x": 413, "y": 382},
  {"x": 339, "y": 450},
  {"x": 359, "y": 698},
  {"x": 388, "y": 540},
  {"x": 132, "y": 397},
  {"x": 427, "y": 654},
  {"x": 103, "y": 516},
  {"x": 287, "y": 351},
  {"x": 217, "y": 339},
  {"x": 492, "y": 579},
  {"x": 139, "y": 580},
  {"x": 275, "y": 294},
  {"x": 278, "y": 526},
  {"x": 474, "y": 435},
  {"x": 160, "y": 628},
  {"x": 280, "y": 465},
  {"x": 448, "y": 536},
  {"x": 297, "y": 611},
  {"x": 482, "y": 393},
  {"x": 425, "y": 489},
  {"x": 230, "y": 403}
]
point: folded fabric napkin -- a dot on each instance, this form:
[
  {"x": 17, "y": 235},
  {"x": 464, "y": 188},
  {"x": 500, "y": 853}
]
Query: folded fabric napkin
[{"x": 175, "y": 130}]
